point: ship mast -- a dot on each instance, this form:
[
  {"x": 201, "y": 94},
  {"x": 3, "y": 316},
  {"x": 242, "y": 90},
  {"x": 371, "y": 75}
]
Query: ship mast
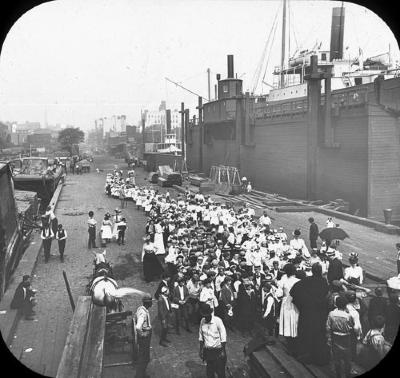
[{"x": 282, "y": 81}]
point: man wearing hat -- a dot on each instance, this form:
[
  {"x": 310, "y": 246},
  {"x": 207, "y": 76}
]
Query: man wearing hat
[
  {"x": 335, "y": 269},
  {"x": 313, "y": 234},
  {"x": 143, "y": 331},
  {"x": 24, "y": 298},
  {"x": 180, "y": 298},
  {"x": 269, "y": 308},
  {"x": 212, "y": 338},
  {"x": 164, "y": 314}
]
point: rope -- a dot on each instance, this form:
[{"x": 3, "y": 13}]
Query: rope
[
  {"x": 258, "y": 70},
  {"x": 269, "y": 55},
  {"x": 292, "y": 27}
]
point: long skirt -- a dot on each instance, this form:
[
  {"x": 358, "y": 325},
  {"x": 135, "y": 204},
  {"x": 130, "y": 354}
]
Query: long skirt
[
  {"x": 289, "y": 318},
  {"x": 151, "y": 267},
  {"x": 106, "y": 232}
]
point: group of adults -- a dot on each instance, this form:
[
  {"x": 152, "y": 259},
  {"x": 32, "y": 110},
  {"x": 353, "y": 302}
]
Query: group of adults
[{"x": 215, "y": 258}]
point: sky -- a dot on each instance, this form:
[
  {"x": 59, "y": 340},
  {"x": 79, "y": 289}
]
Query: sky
[{"x": 73, "y": 61}]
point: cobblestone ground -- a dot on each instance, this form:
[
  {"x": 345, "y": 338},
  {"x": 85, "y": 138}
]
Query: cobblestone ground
[{"x": 39, "y": 344}]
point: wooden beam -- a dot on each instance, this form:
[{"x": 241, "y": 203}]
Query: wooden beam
[
  {"x": 92, "y": 358},
  {"x": 71, "y": 357}
]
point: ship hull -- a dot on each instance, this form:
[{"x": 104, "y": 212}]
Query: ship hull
[{"x": 272, "y": 145}]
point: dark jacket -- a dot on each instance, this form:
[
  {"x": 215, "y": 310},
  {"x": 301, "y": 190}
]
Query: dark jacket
[
  {"x": 377, "y": 306},
  {"x": 335, "y": 270},
  {"x": 163, "y": 312},
  {"x": 176, "y": 297},
  {"x": 20, "y": 297},
  {"x": 160, "y": 286},
  {"x": 313, "y": 231},
  {"x": 225, "y": 296}
]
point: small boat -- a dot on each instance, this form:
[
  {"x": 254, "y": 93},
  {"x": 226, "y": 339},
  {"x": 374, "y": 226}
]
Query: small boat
[{"x": 37, "y": 174}]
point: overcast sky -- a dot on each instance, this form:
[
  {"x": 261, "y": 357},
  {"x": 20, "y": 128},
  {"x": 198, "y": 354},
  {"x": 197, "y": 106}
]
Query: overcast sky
[{"x": 73, "y": 61}]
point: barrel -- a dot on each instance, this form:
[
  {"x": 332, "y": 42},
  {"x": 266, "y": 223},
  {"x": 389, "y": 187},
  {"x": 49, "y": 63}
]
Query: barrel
[
  {"x": 387, "y": 213},
  {"x": 236, "y": 189}
]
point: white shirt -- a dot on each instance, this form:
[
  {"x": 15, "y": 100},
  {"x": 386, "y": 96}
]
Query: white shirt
[
  {"x": 213, "y": 334},
  {"x": 355, "y": 272},
  {"x": 181, "y": 293},
  {"x": 300, "y": 244},
  {"x": 265, "y": 220},
  {"x": 166, "y": 301},
  {"x": 207, "y": 296},
  {"x": 218, "y": 281}
]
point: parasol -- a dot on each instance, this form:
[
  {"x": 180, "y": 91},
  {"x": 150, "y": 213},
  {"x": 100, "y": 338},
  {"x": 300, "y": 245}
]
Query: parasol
[{"x": 333, "y": 233}]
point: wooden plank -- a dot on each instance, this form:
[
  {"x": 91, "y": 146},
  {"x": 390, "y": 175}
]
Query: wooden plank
[
  {"x": 291, "y": 365},
  {"x": 318, "y": 372},
  {"x": 92, "y": 358},
  {"x": 71, "y": 357},
  {"x": 315, "y": 370},
  {"x": 115, "y": 316},
  {"x": 269, "y": 364},
  {"x": 293, "y": 209}
]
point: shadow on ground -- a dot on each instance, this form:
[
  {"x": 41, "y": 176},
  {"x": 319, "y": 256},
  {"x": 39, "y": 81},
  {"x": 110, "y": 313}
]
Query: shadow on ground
[{"x": 126, "y": 267}]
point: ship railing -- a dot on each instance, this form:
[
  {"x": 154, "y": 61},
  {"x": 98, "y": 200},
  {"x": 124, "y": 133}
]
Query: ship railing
[
  {"x": 268, "y": 110},
  {"x": 342, "y": 97},
  {"x": 348, "y": 97}
]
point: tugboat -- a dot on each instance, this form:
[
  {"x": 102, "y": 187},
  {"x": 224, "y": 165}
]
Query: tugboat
[{"x": 37, "y": 174}]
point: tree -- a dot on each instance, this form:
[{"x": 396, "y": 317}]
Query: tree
[{"x": 70, "y": 136}]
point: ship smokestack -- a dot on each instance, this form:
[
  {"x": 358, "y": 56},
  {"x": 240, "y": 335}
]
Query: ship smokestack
[
  {"x": 168, "y": 120},
  {"x": 337, "y": 33},
  {"x": 231, "y": 74}
]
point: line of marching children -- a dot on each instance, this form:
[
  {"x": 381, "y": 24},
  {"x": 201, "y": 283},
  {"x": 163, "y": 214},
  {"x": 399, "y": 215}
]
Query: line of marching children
[{"x": 250, "y": 275}]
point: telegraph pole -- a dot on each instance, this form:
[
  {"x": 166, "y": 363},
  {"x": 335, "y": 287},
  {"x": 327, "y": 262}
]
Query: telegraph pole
[
  {"x": 209, "y": 83},
  {"x": 182, "y": 112}
]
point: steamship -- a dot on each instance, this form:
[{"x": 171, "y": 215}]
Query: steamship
[{"x": 328, "y": 130}]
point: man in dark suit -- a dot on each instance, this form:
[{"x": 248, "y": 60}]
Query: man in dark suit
[
  {"x": 164, "y": 313},
  {"x": 179, "y": 298},
  {"x": 258, "y": 278},
  {"x": 226, "y": 302},
  {"x": 166, "y": 281},
  {"x": 335, "y": 270},
  {"x": 313, "y": 233},
  {"x": 24, "y": 299}
]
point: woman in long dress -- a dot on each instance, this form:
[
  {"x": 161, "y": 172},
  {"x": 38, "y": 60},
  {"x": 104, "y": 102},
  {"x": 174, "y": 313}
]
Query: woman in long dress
[
  {"x": 289, "y": 314},
  {"x": 159, "y": 238},
  {"x": 106, "y": 228},
  {"x": 151, "y": 266}
]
